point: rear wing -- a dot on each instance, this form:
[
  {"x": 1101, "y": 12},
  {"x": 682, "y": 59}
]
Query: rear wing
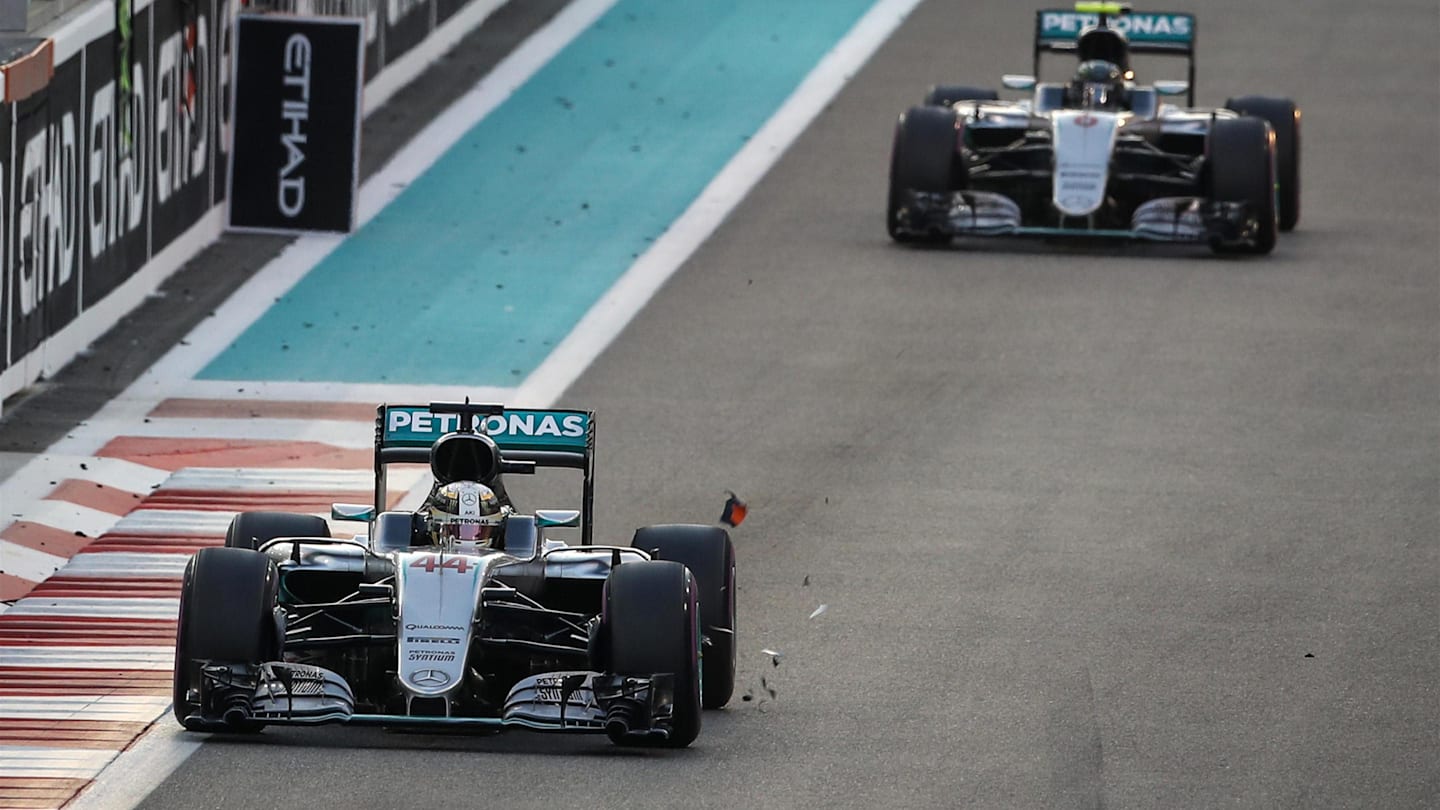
[
  {"x": 1167, "y": 33},
  {"x": 543, "y": 438}
]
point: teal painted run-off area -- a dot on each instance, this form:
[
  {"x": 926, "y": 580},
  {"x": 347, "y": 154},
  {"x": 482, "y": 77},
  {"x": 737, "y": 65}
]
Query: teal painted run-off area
[{"x": 486, "y": 262}]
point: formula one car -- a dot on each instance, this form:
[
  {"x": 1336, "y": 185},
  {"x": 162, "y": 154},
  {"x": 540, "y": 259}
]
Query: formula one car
[
  {"x": 1099, "y": 156},
  {"x": 462, "y": 614}
]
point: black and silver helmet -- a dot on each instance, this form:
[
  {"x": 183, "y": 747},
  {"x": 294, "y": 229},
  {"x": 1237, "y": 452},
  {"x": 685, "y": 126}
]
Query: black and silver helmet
[{"x": 464, "y": 512}]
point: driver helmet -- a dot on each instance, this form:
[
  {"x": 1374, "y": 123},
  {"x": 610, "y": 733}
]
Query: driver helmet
[
  {"x": 1097, "y": 85},
  {"x": 464, "y": 511}
]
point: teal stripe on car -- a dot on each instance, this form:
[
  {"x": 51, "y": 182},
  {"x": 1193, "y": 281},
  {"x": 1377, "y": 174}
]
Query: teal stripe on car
[{"x": 484, "y": 263}]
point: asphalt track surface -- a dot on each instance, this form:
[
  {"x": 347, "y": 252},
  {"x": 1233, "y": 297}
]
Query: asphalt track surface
[{"x": 1097, "y": 527}]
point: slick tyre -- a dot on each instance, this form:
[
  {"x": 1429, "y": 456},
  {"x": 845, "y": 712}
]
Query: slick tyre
[
  {"x": 945, "y": 95},
  {"x": 652, "y": 626},
  {"x": 710, "y": 555},
  {"x": 1240, "y": 167},
  {"x": 252, "y": 529},
  {"x": 227, "y": 616},
  {"x": 1284, "y": 118},
  {"x": 923, "y": 157}
]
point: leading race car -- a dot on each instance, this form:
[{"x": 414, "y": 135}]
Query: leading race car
[
  {"x": 1100, "y": 156},
  {"x": 461, "y": 614}
]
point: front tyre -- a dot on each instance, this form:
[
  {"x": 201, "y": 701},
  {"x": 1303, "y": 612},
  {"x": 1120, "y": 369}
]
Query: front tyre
[
  {"x": 710, "y": 555},
  {"x": 1284, "y": 117},
  {"x": 227, "y": 616},
  {"x": 1240, "y": 168},
  {"x": 923, "y": 157},
  {"x": 652, "y": 625}
]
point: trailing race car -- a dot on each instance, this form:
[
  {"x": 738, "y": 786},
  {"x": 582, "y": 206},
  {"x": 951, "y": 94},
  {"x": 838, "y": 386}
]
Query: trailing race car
[
  {"x": 1099, "y": 156},
  {"x": 463, "y": 613}
]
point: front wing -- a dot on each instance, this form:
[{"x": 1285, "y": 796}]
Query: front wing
[
  {"x": 985, "y": 213},
  {"x": 280, "y": 693}
]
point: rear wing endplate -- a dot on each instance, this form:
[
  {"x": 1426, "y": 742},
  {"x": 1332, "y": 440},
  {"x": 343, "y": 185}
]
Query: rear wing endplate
[
  {"x": 1167, "y": 33},
  {"x": 545, "y": 438}
]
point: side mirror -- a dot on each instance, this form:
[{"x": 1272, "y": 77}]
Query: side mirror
[
  {"x": 1018, "y": 81},
  {"x": 1171, "y": 87},
  {"x": 553, "y": 518},
  {"x": 360, "y": 512}
]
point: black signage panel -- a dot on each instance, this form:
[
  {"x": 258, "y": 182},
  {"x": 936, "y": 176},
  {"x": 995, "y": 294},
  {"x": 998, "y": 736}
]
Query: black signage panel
[
  {"x": 294, "y": 161},
  {"x": 183, "y": 53},
  {"x": 48, "y": 166},
  {"x": 118, "y": 188}
]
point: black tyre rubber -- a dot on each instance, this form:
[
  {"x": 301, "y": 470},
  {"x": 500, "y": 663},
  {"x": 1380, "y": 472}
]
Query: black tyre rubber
[
  {"x": 1240, "y": 167},
  {"x": 227, "y": 604},
  {"x": 651, "y": 626},
  {"x": 1284, "y": 118},
  {"x": 710, "y": 555},
  {"x": 251, "y": 529},
  {"x": 944, "y": 95},
  {"x": 922, "y": 158}
]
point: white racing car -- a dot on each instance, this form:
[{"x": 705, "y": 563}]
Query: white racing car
[
  {"x": 1099, "y": 156},
  {"x": 462, "y": 614}
]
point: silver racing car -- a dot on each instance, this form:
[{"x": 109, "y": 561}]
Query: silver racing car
[
  {"x": 462, "y": 613},
  {"x": 1099, "y": 156}
]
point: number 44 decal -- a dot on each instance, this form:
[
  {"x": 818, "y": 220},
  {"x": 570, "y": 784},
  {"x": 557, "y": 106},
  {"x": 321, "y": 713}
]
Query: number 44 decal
[{"x": 433, "y": 562}]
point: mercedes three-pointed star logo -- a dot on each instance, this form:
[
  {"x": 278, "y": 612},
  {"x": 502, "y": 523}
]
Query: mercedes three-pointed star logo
[{"x": 430, "y": 677}]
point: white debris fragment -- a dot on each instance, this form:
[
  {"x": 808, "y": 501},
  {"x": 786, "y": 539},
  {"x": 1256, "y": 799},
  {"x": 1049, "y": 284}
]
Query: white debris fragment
[{"x": 819, "y": 610}]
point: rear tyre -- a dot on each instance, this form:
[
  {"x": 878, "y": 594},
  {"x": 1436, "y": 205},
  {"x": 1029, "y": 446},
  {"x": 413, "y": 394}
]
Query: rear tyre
[
  {"x": 252, "y": 529},
  {"x": 227, "y": 616},
  {"x": 651, "y": 623},
  {"x": 710, "y": 555},
  {"x": 1284, "y": 118},
  {"x": 923, "y": 157},
  {"x": 945, "y": 95},
  {"x": 1240, "y": 167}
]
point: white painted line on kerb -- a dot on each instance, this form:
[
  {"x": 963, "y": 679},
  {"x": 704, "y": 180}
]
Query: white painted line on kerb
[
  {"x": 139, "y": 709},
  {"x": 106, "y": 658},
  {"x": 19, "y": 761},
  {"x": 115, "y": 607},
  {"x": 72, "y": 517},
  {"x": 145, "y": 765},
  {"x": 609, "y": 316},
  {"x": 334, "y": 432}
]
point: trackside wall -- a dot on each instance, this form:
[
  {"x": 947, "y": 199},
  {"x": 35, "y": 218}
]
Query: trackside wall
[{"x": 109, "y": 186}]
